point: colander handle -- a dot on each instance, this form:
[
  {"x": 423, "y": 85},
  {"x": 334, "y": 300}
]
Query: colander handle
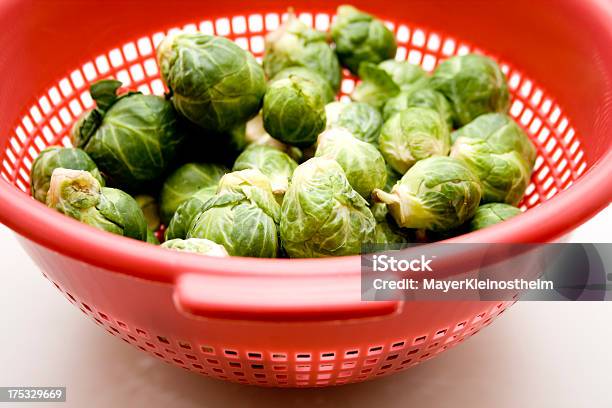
[{"x": 276, "y": 298}]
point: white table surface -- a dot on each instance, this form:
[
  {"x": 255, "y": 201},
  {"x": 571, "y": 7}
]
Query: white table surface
[{"x": 536, "y": 355}]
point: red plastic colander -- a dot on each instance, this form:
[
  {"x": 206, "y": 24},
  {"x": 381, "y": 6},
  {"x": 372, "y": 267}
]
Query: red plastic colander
[{"x": 291, "y": 322}]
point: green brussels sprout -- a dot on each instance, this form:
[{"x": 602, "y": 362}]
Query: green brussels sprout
[
  {"x": 376, "y": 86},
  {"x": 150, "y": 209},
  {"x": 360, "y": 37},
  {"x": 326, "y": 90},
  {"x": 439, "y": 193},
  {"x": 151, "y": 238},
  {"x": 187, "y": 212},
  {"x": 294, "y": 111},
  {"x": 58, "y": 157},
  {"x": 243, "y": 216},
  {"x": 473, "y": 84},
  {"x": 491, "y": 214},
  {"x": 406, "y": 75},
  {"x": 385, "y": 81},
  {"x": 412, "y": 135},
  {"x": 77, "y": 194},
  {"x": 294, "y": 44},
  {"x": 131, "y": 137},
  {"x": 361, "y": 119},
  {"x": 362, "y": 163},
  {"x": 273, "y": 163},
  {"x": 196, "y": 245},
  {"x": 497, "y": 150},
  {"x": 184, "y": 182},
  {"x": 214, "y": 83},
  {"x": 322, "y": 215},
  {"x": 420, "y": 98}
]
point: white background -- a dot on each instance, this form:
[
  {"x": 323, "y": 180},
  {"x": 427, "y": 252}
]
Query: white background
[{"x": 536, "y": 355}]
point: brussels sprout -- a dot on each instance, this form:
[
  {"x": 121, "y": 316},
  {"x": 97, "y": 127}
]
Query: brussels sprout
[
  {"x": 376, "y": 86},
  {"x": 497, "y": 150},
  {"x": 77, "y": 194},
  {"x": 243, "y": 216},
  {"x": 412, "y": 135},
  {"x": 187, "y": 212},
  {"x": 322, "y": 215},
  {"x": 214, "y": 83},
  {"x": 420, "y": 98},
  {"x": 150, "y": 210},
  {"x": 438, "y": 194},
  {"x": 196, "y": 245},
  {"x": 58, "y": 157},
  {"x": 360, "y": 37},
  {"x": 294, "y": 111},
  {"x": 184, "y": 182},
  {"x": 406, "y": 75},
  {"x": 473, "y": 84},
  {"x": 361, "y": 119},
  {"x": 491, "y": 214},
  {"x": 385, "y": 81},
  {"x": 273, "y": 163},
  {"x": 326, "y": 90},
  {"x": 294, "y": 44},
  {"x": 151, "y": 238},
  {"x": 132, "y": 137},
  {"x": 362, "y": 163}
]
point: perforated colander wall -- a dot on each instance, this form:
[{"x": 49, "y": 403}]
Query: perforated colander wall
[
  {"x": 282, "y": 368},
  {"x": 48, "y": 121}
]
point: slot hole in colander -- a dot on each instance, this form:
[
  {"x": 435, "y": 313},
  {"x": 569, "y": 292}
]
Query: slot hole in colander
[
  {"x": 254, "y": 355},
  {"x": 328, "y": 356},
  {"x": 420, "y": 340},
  {"x": 302, "y": 357},
  {"x": 398, "y": 345},
  {"x": 375, "y": 350},
  {"x": 279, "y": 357}
]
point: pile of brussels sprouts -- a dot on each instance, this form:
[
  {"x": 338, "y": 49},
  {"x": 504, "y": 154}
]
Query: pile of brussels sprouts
[{"x": 243, "y": 159}]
